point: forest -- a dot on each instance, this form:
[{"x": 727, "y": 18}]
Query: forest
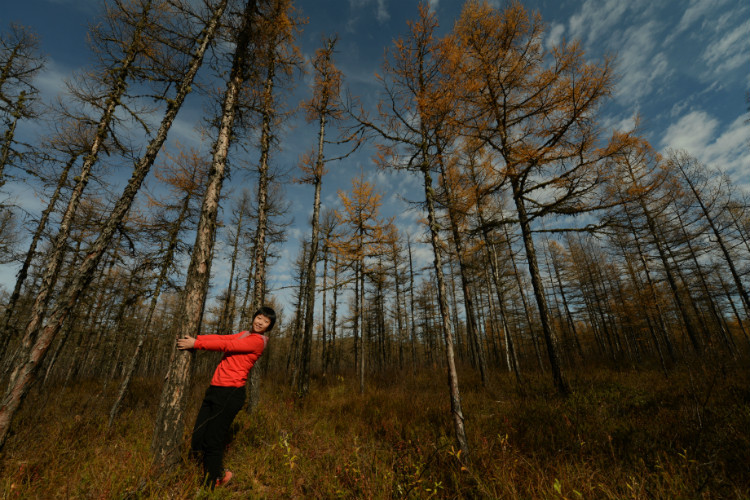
[{"x": 579, "y": 329}]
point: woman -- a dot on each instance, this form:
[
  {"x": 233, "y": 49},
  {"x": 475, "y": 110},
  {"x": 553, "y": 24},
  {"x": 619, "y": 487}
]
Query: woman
[{"x": 226, "y": 395}]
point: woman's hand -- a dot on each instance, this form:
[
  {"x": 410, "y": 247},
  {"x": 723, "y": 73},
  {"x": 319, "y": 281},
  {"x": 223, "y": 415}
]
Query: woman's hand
[{"x": 186, "y": 343}]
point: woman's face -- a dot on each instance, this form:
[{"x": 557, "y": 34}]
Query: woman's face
[{"x": 260, "y": 323}]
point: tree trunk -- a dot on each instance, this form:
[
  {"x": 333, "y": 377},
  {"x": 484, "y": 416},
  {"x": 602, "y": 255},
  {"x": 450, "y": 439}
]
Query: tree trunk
[
  {"x": 651, "y": 288},
  {"x": 259, "y": 279},
  {"x": 360, "y": 321},
  {"x": 143, "y": 331},
  {"x": 510, "y": 347},
  {"x": 312, "y": 261},
  {"x": 9, "y": 134},
  {"x": 325, "y": 355},
  {"x": 524, "y": 301},
  {"x": 456, "y": 412},
  {"x": 225, "y": 323},
  {"x": 168, "y": 428},
  {"x": 471, "y": 326},
  {"x": 412, "y": 324},
  {"x": 550, "y": 338}
]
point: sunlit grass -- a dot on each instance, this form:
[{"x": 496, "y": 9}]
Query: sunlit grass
[{"x": 621, "y": 434}]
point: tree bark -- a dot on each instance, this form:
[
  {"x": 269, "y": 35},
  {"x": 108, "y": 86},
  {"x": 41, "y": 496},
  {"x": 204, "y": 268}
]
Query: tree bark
[
  {"x": 471, "y": 326},
  {"x": 719, "y": 239},
  {"x": 143, "y": 331}
]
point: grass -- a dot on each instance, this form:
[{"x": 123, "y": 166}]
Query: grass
[{"x": 621, "y": 434}]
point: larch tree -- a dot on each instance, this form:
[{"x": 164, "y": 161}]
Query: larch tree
[
  {"x": 362, "y": 233},
  {"x": 277, "y": 57},
  {"x": 69, "y": 144},
  {"x": 300, "y": 279},
  {"x": 239, "y": 221},
  {"x": 276, "y": 207},
  {"x": 20, "y": 61},
  {"x": 457, "y": 198},
  {"x": 412, "y": 320},
  {"x": 537, "y": 110},
  {"x": 413, "y": 120},
  {"x": 642, "y": 186},
  {"x": 117, "y": 72},
  {"x": 645, "y": 296},
  {"x": 478, "y": 173},
  {"x": 328, "y": 226},
  {"x": 325, "y": 108},
  {"x": 694, "y": 174},
  {"x": 397, "y": 262}
]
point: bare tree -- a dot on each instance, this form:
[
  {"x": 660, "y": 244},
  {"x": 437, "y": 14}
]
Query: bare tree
[
  {"x": 692, "y": 173},
  {"x": 325, "y": 108},
  {"x": 20, "y": 61}
]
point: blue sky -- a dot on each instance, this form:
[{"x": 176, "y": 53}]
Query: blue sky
[{"x": 684, "y": 68}]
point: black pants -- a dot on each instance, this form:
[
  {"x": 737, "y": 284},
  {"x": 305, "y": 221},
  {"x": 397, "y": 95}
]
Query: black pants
[{"x": 211, "y": 431}]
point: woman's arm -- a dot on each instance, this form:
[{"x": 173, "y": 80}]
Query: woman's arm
[
  {"x": 225, "y": 343},
  {"x": 231, "y": 343}
]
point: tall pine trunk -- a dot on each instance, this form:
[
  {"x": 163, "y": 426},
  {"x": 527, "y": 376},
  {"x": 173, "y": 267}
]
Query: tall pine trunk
[
  {"x": 259, "y": 289},
  {"x": 717, "y": 234},
  {"x": 167, "y": 263},
  {"x": 472, "y": 331}
]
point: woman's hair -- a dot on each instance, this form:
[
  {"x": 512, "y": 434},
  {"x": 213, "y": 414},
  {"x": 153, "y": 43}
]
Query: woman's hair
[{"x": 268, "y": 313}]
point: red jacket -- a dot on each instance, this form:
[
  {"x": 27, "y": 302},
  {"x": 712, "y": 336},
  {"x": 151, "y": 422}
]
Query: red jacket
[{"x": 241, "y": 350}]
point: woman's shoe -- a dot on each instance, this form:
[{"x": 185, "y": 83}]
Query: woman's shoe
[{"x": 225, "y": 480}]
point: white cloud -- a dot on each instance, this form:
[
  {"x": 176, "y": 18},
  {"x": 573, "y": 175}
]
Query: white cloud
[
  {"x": 555, "y": 35},
  {"x": 699, "y": 134},
  {"x": 698, "y": 10},
  {"x": 597, "y": 19},
  {"x": 382, "y": 14},
  {"x": 620, "y": 123},
  {"x": 728, "y": 152},
  {"x": 692, "y": 131},
  {"x": 356, "y": 6},
  {"x": 51, "y": 80},
  {"x": 186, "y": 132},
  {"x": 640, "y": 68},
  {"x": 632, "y": 31},
  {"x": 730, "y": 51}
]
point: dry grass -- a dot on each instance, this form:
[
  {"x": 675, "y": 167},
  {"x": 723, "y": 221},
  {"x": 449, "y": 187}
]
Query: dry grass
[{"x": 619, "y": 435}]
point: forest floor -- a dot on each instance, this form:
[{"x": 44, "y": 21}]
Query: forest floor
[{"x": 620, "y": 434}]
